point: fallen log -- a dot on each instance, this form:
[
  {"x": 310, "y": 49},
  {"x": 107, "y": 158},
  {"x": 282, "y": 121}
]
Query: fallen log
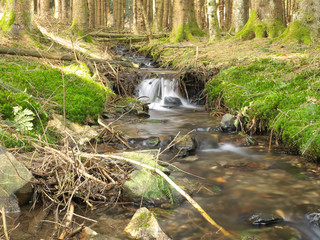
[
  {"x": 62, "y": 57},
  {"x": 125, "y": 36}
]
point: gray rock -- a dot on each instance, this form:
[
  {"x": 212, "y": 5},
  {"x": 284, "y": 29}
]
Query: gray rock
[
  {"x": 172, "y": 101},
  {"x": 144, "y": 225},
  {"x": 227, "y": 123},
  {"x": 14, "y": 180},
  {"x": 206, "y": 140},
  {"x": 265, "y": 219},
  {"x": 185, "y": 144}
]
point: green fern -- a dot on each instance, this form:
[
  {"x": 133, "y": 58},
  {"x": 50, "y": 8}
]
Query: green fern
[{"x": 23, "y": 119}]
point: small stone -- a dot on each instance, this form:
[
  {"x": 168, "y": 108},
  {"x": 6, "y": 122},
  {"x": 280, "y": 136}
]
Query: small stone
[
  {"x": 144, "y": 225},
  {"x": 227, "y": 123},
  {"x": 172, "y": 101}
]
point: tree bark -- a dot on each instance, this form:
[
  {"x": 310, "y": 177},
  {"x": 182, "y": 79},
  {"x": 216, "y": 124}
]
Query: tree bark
[
  {"x": 165, "y": 16},
  {"x": 80, "y": 17},
  {"x": 44, "y": 8},
  {"x": 92, "y": 13},
  {"x": 214, "y": 28},
  {"x": 308, "y": 12},
  {"x": 240, "y": 14},
  {"x": 17, "y": 17}
]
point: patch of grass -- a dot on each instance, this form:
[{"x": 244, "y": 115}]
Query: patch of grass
[{"x": 276, "y": 99}]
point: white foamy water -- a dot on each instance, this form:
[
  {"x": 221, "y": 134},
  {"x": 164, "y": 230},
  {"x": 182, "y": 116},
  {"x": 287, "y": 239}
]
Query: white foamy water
[{"x": 157, "y": 91}]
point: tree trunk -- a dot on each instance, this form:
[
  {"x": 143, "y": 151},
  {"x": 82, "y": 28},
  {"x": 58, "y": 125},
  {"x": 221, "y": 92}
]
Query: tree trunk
[
  {"x": 108, "y": 15},
  {"x": 64, "y": 9},
  {"x": 240, "y": 14},
  {"x": 158, "y": 15},
  {"x": 17, "y": 17},
  {"x": 140, "y": 26},
  {"x": 80, "y": 14},
  {"x": 44, "y": 8},
  {"x": 165, "y": 16},
  {"x": 92, "y": 13},
  {"x": 184, "y": 21},
  {"x": 57, "y": 9},
  {"x": 306, "y": 21},
  {"x": 228, "y": 13},
  {"x": 265, "y": 20},
  {"x": 214, "y": 29}
]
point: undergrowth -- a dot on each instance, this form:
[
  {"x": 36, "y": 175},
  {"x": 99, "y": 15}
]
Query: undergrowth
[{"x": 275, "y": 95}]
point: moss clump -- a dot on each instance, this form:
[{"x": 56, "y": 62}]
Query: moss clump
[
  {"x": 273, "y": 98},
  {"x": 297, "y": 32},
  {"x": 256, "y": 28},
  {"x": 186, "y": 32},
  {"x": 84, "y": 98},
  {"x": 7, "y": 20}
]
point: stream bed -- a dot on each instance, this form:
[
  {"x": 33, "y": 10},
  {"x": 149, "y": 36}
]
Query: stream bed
[{"x": 238, "y": 181}]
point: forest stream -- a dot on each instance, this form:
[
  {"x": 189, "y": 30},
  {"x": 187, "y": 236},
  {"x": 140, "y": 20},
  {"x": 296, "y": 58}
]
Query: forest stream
[{"x": 245, "y": 188}]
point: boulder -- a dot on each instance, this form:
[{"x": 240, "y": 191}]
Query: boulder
[
  {"x": 172, "y": 101},
  {"x": 227, "y": 123},
  {"x": 144, "y": 225},
  {"x": 15, "y": 181}
]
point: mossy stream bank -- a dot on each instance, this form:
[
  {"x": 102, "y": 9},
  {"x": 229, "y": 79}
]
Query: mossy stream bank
[{"x": 271, "y": 87}]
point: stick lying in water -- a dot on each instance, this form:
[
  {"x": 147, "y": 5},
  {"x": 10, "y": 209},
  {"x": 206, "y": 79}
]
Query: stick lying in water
[{"x": 175, "y": 186}]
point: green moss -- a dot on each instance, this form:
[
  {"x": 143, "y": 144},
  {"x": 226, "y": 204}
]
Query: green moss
[
  {"x": 85, "y": 98},
  {"x": 270, "y": 95},
  {"x": 7, "y": 20},
  {"x": 256, "y": 28},
  {"x": 186, "y": 32},
  {"x": 275, "y": 28},
  {"x": 297, "y": 32}
]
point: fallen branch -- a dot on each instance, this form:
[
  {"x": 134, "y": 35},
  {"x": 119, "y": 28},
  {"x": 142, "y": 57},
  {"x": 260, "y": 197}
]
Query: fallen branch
[
  {"x": 114, "y": 134},
  {"x": 62, "y": 57},
  {"x": 175, "y": 186},
  {"x": 4, "y": 222}
]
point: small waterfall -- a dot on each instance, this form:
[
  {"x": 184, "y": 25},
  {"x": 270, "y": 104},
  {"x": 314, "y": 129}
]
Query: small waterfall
[{"x": 161, "y": 93}]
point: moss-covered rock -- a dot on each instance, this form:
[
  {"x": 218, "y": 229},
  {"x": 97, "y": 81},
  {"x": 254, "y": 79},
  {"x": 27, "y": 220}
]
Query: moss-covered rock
[{"x": 149, "y": 187}]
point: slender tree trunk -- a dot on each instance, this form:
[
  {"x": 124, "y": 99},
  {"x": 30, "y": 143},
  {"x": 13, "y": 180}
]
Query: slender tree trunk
[
  {"x": 165, "y": 14},
  {"x": 134, "y": 17},
  {"x": 57, "y": 9},
  {"x": 228, "y": 13},
  {"x": 92, "y": 13},
  {"x": 220, "y": 9},
  {"x": 170, "y": 14},
  {"x": 214, "y": 29},
  {"x": 80, "y": 17},
  {"x": 44, "y": 8},
  {"x": 63, "y": 9},
  {"x": 108, "y": 14}
]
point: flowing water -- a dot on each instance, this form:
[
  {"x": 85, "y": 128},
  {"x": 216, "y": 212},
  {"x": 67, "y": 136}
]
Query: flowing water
[{"x": 237, "y": 181}]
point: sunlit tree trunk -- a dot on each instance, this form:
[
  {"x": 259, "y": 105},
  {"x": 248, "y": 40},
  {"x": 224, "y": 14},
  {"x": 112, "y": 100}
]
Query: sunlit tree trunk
[
  {"x": 57, "y": 9},
  {"x": 220, "y": 9},
  {"x": 64, "y": 9},
  {"x": 134, "y": 17},
  {"x": 108, "y": 14},
  {"x": 240, "y": 14},
  {"x": 17, "y": 17},
  {"x": 44, "y": 8},
  {"x": 80, "y": 15},
  {"x": 158, "y": 15},
  {"x": 214, "y": 28},
  {"x": 184, "y": 21}
]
